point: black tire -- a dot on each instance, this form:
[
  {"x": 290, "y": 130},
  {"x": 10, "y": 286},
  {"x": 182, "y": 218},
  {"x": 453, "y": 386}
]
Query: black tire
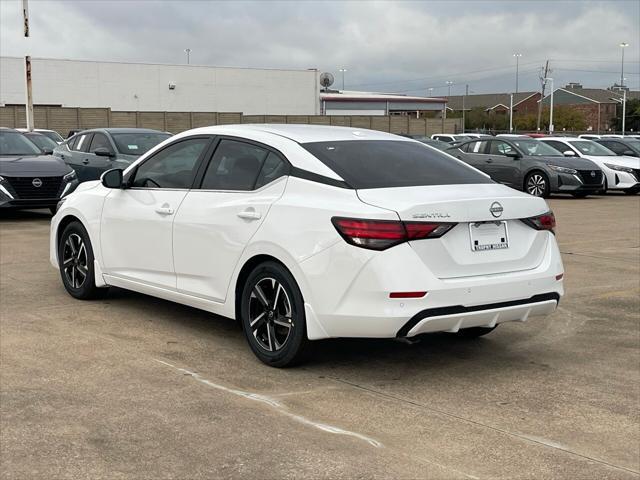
[
  {"x": 475, "y": 332},
  {"x": 75, "y": 246},
  {"x": 580, "y": 194},
  {"x": 606, "y": 186},
  {"x": 270, "y": 315},
  {"x": 537, "y": 184}
]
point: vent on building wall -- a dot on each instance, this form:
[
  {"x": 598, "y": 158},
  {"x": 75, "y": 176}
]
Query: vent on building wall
[{"x": 172, "y": 86}]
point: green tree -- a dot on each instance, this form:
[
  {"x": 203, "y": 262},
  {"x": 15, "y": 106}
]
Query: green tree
[{"x": 632, "y": 121}]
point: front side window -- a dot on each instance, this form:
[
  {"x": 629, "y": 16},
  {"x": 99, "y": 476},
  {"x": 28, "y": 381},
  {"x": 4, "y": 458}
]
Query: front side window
[
  {"x": 559, "y": 146},
  {"x": 234, "y": 166},
  {"x": 391, "y": 163},
  {"x": 498, "y": 147},
  {"x": 14, "y": 143},
  {"x": 100, "y": 140},
  {"x": 172, "y": 167}
]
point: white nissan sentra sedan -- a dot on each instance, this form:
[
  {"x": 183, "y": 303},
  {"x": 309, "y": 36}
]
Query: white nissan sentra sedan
[{"x": 309, "y": 232}]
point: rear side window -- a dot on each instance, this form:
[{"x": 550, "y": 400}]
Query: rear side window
[
  {"x": 389, "y": 163},
  {"x": 272, "y": 169},
  {"x": 234, "y": 166}
]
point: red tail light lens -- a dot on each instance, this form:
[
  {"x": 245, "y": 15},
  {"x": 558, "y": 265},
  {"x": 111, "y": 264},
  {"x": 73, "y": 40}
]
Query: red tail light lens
[
  {"x": 546, "y": 221},
  {"x": 382, "y": 234}
]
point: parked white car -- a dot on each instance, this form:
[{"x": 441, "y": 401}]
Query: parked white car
[
  {"x": 307, "y": 232},
  {"x": 621, "y": 172},
  {"x": 450, "y": 138}
]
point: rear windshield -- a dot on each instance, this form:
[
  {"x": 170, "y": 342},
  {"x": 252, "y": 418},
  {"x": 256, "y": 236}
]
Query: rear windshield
[
  {"x": 389, "y": 163},
  {"x": 137, "y": 143}
]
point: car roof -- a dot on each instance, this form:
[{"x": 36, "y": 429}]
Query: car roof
[
  {"x": 299, "y": 133},
  {"x": 121, "y": 130}
]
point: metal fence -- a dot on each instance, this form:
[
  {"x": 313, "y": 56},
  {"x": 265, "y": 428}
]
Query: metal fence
[{"x": 64, "y": 119}]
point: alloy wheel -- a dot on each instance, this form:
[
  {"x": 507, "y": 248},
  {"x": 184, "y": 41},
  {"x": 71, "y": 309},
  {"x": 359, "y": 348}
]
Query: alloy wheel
[
  {"x": 536, "y": 185},
  {"x": 270, "y": 314},
  {"x": 74, "y": 261}
]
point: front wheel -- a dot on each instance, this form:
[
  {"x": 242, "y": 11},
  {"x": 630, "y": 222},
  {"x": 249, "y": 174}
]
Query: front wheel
[
  {"x": 75, "y": 260},
  {"x": 537, "y": 184},
  {"x": 272, "y": 316}
]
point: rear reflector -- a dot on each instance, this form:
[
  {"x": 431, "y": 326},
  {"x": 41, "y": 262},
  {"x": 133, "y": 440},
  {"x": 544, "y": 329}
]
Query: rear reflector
[
  {"x": 382, "y": 234},
  {"x": 546, "y": 221},
  {"x": 407, "y": 294},
  {"x": 559, "y": 277}
]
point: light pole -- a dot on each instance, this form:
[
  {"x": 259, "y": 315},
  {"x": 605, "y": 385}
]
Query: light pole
[
  {"x": 188, "y": 52},
  {"x": 517, "y": 55},
  {"x": 624, "y": 108},
  {"x": 623, "y": 45},
  {"x": 430, "y": 94},
  {"x": 342, "y": 70},
  {"x": 551, "y": 110},
  {"x": 449, "y": 83}
]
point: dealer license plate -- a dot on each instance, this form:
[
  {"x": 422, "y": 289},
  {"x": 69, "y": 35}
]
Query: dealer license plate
[{"x": 488, "y": 236}]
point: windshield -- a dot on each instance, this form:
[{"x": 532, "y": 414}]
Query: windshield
[
  {"x": 55, "y": 136},
  {"x": 587, "y": 147},
  {"x": 390, "y": 163},
  {"x": 536, "y": 148},
  {"x": 14, "y": 143},
  {"x": 41, "y": 141},
  {"x": 137, "y": 143}
]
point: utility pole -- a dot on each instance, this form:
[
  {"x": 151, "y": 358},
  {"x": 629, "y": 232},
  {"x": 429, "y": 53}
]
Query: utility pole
[
  {"x": 517, "y": 55},
  {"x": 511, "y": 113},
  {"x": 623, "y": 45},
  {"x": 466, "y": 92},
  {"x": 27, "y": 69},
  {"x": 343, "y": 70},
  {"x": 551, "y": 111},
  {"x": 624, "y": 109},
  {"x": 543, "y": 84}
]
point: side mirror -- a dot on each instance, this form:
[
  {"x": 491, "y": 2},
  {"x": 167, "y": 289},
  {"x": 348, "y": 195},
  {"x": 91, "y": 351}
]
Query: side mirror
[
  {"x": 49, "y": 151},
  {"x": 569, "y": 153},
  {"x": 112, "y": 178},
  {"x": 103, "y": 152},
  {"x": 513, "y": 154},
  {"x": 629, "y": 153}
]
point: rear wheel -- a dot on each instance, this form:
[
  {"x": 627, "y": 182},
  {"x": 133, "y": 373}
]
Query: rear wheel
[
  {"x": 475, "y": 332},
  {"x": 272, "y": 315},
  {"x": 75, "y": 260},
  {"x": 537, "y": 184}
]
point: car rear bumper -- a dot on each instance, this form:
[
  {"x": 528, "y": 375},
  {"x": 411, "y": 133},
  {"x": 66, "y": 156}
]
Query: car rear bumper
[
  {"x": 356, "y": 301},
  {"x": 452, "y": 319}
]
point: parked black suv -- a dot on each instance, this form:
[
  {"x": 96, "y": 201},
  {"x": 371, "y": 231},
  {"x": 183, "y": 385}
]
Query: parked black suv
[
  {"x": 531, "y": 165},
  {"x": 28, "y": 177}
]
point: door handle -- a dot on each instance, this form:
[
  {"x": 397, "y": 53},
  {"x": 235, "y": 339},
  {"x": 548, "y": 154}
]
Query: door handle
[
  {"x": 85, "y": 161},
  {"x": 250, "y": 215},
  {"x": 164, "y": 210}
]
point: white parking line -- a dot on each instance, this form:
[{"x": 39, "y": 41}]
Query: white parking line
[{"x": 276, "y": 405}]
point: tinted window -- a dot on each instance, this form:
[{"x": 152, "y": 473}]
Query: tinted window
[
  {"x": 477, "y": 147},
  {"x": 617, "y": 147},
  {"x": 234, "y": 166},
  {"x": 14, "y": 143},
  {"x": 272, "y": 169},
  {"x": 55, "y": 136},
  {"x": 561, "y": 147},
  {"x": 137, "y": 143},
  {"x": 100, "y": 140},
  {"x": 389, "y": 163},
  {"x": 41, "y": 141},
  {"x": 172, "y": 167},
  {"x": 82, "y": 143}
]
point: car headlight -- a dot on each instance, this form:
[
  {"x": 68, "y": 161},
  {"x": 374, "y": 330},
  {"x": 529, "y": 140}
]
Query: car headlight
[
  {"x": 562, "y": 169},
  {"x": 619, "y": 168},
  {"x": 69, "y": 177}
]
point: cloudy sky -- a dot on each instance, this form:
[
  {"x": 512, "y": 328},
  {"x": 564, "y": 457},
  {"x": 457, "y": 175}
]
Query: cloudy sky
[{"x": 394, "y": 46}]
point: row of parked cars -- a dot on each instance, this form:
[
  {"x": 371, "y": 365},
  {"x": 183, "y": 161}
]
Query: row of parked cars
[
  {"x": 38, "y": 168},
  {"x": 541, "y": 165}
]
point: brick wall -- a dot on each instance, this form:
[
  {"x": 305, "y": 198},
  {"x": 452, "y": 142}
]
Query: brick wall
[{"x": 63, "y": 119}]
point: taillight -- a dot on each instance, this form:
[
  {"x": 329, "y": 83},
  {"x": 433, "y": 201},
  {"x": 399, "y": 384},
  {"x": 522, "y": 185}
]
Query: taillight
[
  {"x": 546, "y": 221},
  {"x": 382, "y": 234}
]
